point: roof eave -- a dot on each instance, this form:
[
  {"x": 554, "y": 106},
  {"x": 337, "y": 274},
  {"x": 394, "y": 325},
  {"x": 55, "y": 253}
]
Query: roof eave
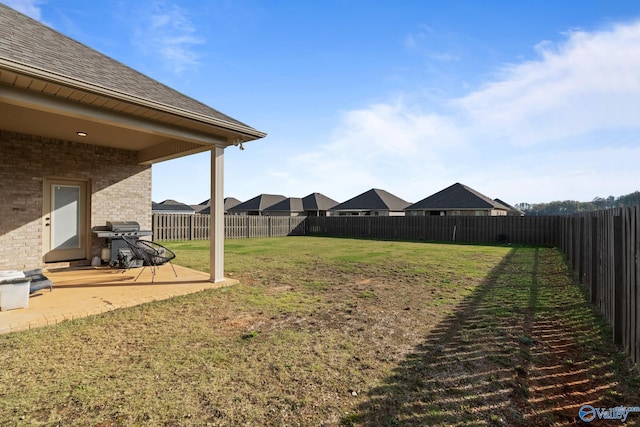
[{"x": 243, "y": 133}]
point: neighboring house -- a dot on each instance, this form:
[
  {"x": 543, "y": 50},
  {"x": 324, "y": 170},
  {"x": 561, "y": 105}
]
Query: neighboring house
[
  {"x": 79, "y": 133},
  {"x": 171, "y": 207},
  {"x": 512, "y": 211},
  {"x": 291, "y": 206},
  {"x": 374, "y": 202},
  {"x": 314, "y": 204},
  {"x": 457, "y": 200},
  {"x": 200, "y": 207},
  {"x": 257, "y": 205},
  {"x": 317, "y": 204},
  {"x": 229, "y": 202}
]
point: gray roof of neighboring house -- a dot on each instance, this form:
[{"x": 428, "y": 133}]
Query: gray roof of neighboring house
[
  {"x": 229, "y": 202},
  {"x": 203, "y": 207},
  {"x": 318, "y": 202},
  {"x": 171, "y": 205},
  {"x": 457, "y": 196},
  {"x": 373, "y": 200},
  {"x": 199, "y": 208},
  {"x": 258, "y": 203},
  {"x": 27, "y": 44},
  {"x": 312, "y": 202},
  {"x": 508, "y": 206},
  {"x": 290, "y": 204}
]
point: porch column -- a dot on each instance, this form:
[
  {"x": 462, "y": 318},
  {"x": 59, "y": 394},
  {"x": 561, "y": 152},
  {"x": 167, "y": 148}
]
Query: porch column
[{"x": 216, "y": 231}]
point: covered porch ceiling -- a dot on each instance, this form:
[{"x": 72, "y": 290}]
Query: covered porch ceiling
[{"x": 34, "y": 103}]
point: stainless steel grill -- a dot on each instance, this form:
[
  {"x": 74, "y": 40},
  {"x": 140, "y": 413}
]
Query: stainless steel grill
[
  {"x": 116, "y": 229},
  {"x": 119, "y": 254}
]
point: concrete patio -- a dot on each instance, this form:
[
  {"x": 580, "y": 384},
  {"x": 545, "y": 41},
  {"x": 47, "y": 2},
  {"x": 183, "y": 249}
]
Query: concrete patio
[{"x": 85, "y": 291}]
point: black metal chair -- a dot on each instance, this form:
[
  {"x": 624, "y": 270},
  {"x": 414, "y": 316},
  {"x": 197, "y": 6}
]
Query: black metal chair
[{"x": 151, "y": 254}]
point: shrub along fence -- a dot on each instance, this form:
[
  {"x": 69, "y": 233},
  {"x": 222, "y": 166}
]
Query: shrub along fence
[{"x": 603, "y": 247}]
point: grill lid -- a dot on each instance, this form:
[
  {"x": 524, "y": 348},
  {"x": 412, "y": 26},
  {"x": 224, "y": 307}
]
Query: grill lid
[{"x": 123, "y": 226}]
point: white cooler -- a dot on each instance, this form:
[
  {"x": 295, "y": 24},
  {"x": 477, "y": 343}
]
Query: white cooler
[{"x": 14, "y": 290}]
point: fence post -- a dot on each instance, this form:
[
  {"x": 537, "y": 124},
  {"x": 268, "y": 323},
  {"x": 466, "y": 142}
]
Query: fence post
[
  {"x": 154, "y": 226},
  {"x": 634, "y": 333},
  {"x": 582, "y": 231},
  {"x": 618, "y": 284},
  {"x": 594, "y": 260}
]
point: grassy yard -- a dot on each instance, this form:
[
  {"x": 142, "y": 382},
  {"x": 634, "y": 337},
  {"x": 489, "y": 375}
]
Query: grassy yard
[{"x": 330, "y": 332}]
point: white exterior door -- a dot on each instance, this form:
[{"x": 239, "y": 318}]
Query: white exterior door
[{"x": 65, "y": 220}]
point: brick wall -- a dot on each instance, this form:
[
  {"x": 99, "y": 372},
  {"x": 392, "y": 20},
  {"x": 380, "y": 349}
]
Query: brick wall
[{"x": 120, "y": 190}]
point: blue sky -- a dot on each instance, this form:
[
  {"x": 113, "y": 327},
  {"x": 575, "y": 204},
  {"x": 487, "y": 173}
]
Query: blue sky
[{"x": 523, "y": 101}]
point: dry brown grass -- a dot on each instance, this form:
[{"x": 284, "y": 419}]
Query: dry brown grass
[{"x": 331, "y": 332}]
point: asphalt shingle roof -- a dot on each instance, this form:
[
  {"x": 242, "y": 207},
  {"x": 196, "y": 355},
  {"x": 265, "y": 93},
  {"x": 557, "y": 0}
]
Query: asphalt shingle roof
[
  {"x": 457, "y": 196},
  {"x": 205, "y": 207},
  {"x": 230, "y": 202},
  {"x": 374, "y": 199},
  {"x": 508, "y": 206},
  {"x": 258, "y": 203},
  {"x": 27, "y": 42},
  {"x": 290, "y": 204},
  {"x": 171, "y": 205},
  {"x": 318, "y": 202}
]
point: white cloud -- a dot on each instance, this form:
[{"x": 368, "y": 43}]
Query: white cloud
[
  {"x": 587, "y": 84},
  {"x": 563, "y": 126},
  {"x": 430, "y": 43},
  {"x": 27, "y": 7},
  {"x": 166, "y": 30},
  {"x": 379, "y": 147}
]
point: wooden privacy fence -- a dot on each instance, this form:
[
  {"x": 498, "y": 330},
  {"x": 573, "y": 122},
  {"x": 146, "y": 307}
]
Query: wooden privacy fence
[
  {"x": 538, "y": 230},
  {"x": 466, "y": 229},
  {"x": 196, "y": 227},
  {"x": 180, "y": 227},
  {"x": 246, "y": 226},
  {"x": 603, "y": 249}
]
